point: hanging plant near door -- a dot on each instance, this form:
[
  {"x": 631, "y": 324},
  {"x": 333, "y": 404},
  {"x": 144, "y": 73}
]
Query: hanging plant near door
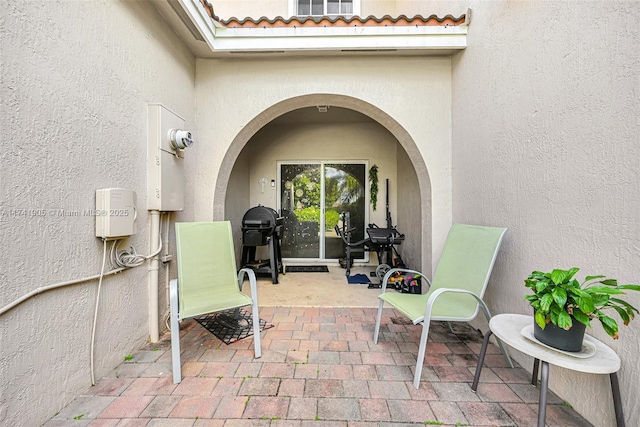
[{"x": 373, "y": 180}]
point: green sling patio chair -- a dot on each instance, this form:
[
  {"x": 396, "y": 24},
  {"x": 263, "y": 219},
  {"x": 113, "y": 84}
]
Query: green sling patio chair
[
  {"x": 457, "y": 289},
  {"x": 207, "y": 281}
]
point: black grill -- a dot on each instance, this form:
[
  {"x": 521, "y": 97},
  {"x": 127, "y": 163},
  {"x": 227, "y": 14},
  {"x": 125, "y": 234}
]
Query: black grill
[
  {"x": 258, "y": 224},
  {"x": 262, "y": 226}
]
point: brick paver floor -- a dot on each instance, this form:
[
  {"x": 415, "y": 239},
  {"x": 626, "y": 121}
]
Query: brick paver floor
[{"x": 319, "y": 368}]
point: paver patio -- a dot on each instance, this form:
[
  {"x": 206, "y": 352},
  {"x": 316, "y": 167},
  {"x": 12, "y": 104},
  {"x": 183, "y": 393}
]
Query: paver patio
[{"x": 319, "y": 368}]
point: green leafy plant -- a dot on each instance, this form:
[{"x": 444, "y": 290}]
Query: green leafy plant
[
  {"x": 558, "y": 298},
  {"x": 373, "y": 189},
  {"x": 331, "y": 218},
  {"x": 310, "y": 213},
  {"x": 128, "y": 357}
]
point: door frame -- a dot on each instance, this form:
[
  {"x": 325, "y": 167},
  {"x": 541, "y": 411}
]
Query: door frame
[{"x": 322, "y": 164}]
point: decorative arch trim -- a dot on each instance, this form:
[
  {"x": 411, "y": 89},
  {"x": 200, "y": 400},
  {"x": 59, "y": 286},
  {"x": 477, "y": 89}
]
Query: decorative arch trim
[{"x": 312, "y": 100}]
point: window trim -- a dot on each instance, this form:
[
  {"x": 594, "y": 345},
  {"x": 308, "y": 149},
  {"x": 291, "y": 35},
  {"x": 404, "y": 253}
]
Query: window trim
[{"x": 292, "y": 9}]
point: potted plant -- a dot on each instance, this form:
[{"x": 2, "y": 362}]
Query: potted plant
[{"x": 562, "y": 303}]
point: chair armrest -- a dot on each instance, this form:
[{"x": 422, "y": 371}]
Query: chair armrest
[
  {"x": 438, "y": 292},
  {"x": 252, "y": 279},
  {"x": 401, "y": 270}
]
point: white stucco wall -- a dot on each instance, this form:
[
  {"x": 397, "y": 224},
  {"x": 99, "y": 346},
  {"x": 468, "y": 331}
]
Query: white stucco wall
[
  {"x": 237, "y": 204},
  {"x": 409, "y": 212},
  {"x": 545, "y": 107},
  {"x": 415, "y": 92},
  {"x": 331, "y": 142},
  {"x": 226, "y": 9},
  {"x": 545, "y": 119},
  {"x": 76, "y": 79}
]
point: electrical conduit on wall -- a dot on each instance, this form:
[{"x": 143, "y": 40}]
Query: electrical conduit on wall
[
  {"x": 154, "y": 333},
  {"x": 125, "y": 261}
]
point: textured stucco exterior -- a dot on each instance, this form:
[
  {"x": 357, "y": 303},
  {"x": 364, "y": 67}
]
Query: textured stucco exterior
[
  {"x": 250, "y": 8},
  {"x": 383, "y": 85},
  {"x": 533, "y": 127},
  {"x": 76, "y": 80},
  {"x": 545, "y": 142}
]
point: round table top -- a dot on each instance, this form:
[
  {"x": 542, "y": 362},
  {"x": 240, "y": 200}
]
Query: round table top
[{"x": 508, "y": 327}]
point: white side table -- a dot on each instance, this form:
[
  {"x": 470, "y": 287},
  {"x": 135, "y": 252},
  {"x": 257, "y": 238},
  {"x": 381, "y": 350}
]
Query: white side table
[{"x": 508, "y": 328}]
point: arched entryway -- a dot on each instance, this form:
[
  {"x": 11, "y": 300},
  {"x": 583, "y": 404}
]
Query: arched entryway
[{"x": 232, "y": 194}]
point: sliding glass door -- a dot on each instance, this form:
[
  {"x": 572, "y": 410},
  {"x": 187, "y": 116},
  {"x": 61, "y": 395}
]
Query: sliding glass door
[
  {"x": 313, "y": 198},
  {"x": 300, "y": 195}
]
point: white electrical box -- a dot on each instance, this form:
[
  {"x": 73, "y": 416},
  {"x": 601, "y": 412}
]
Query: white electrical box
[
  {"x": 115, "y": 213},
  {"x": 165, "y": 161}
]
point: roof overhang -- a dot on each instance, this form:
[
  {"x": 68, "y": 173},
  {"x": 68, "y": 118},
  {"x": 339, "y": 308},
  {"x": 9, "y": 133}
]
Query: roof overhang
[
  {"x": 338, "y": 39},
  {"x": 213, "y": 39}
]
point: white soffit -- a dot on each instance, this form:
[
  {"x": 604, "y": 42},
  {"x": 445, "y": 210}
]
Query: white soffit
[{"x": 301, "y": 40}]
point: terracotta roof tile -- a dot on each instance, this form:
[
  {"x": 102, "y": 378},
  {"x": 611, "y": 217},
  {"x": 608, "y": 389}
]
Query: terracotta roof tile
[
  {"x": 207, "y": 6},
  {"x": 337, "y": 21}
]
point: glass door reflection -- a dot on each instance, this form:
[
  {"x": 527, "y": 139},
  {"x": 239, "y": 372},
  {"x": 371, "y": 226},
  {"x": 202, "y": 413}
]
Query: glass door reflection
[
  {"x": 300, "y": 206},
  {"x": 344, "y": 192},
  {"x": 312, "y": 198}
]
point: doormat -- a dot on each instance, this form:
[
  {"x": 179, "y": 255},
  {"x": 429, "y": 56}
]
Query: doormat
[
  {"x": 231, "y": 325},
  {"x": 357, "y": 279},
  {"x": 401, "y": 321},
  {"x": 307, "y": 269}
]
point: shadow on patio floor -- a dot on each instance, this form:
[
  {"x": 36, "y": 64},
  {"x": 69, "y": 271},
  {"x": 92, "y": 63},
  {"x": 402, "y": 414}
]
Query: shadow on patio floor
[{"x": 319, "y": 367}]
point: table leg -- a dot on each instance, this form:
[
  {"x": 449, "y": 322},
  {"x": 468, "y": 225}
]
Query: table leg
[
  {"x": 617, "y": 403},
  {"x": 534, "y": 376},
  {"x": 542, "y": 404},
  {"x": 483, "y": 350}
]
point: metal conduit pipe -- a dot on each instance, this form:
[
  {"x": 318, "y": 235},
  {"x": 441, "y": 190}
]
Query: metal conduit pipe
[
  {"x": 154, "y": 237},
  {"x": 166, "y": 258}
]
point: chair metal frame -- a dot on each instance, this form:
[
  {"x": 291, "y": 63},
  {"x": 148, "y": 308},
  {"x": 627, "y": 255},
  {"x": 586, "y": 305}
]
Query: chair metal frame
[
  {"x": 238, "y": 299},
  {"x": 431, "y": 299}
]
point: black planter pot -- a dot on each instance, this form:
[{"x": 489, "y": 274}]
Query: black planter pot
[{"x": 554, "y": 336}]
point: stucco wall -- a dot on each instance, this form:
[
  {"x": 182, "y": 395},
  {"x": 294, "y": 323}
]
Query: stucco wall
[
  {"x": 411, "y": 8},
  {"x": 545, "y": 119},
  {"x": 409, "y": 212},
  {"x": 231, "y": 94},
  {"x": 237, "y": 204},
  {"x": 76, "y": 79},
  {"x": 333, "y": 142},
  {"x": 250, "y": 8}
]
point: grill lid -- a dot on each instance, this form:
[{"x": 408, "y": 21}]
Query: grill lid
[{"x": 261, "y": 218}]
